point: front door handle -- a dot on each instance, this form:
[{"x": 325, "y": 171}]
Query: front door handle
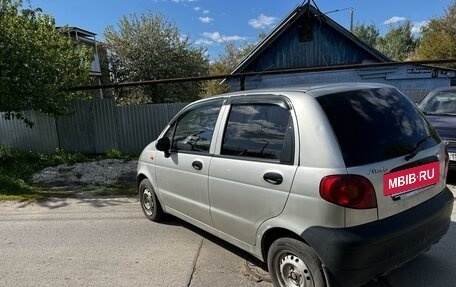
[
  {"x": 273, "y": 178},
  {"x": 197, "y": 165}
]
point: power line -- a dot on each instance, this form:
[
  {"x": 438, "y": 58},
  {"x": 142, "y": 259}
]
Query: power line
[{"x": 242, "y": 76}]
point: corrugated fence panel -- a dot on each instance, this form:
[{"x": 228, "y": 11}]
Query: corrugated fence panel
[
  {"x": 42, "y": 137},
  {"x": 76, "y": 131},
  {"x": 416, "y": 95},
  {"x": 106, "y": 125},
  {"x": 139, "y": 125},
  {"x": 92, "y": 127}
]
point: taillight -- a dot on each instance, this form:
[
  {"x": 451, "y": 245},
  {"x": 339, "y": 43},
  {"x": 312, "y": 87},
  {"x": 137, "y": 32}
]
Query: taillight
[{"x": 352, "y": 191}]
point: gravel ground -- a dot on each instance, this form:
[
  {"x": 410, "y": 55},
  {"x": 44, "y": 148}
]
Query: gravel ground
[{"x": 97, "y": 174}]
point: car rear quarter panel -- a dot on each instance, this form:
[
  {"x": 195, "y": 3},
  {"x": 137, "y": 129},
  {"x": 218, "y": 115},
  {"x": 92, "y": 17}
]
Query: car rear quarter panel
[{"x": 318, "y": 146}]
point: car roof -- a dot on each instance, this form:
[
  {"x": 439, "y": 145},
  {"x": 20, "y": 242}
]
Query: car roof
[{"x": 314, "y": 90}]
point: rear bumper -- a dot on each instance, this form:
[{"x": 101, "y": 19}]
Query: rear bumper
[{"x": 353, "y": 256}]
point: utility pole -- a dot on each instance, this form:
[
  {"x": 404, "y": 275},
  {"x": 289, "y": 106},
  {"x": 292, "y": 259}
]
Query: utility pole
[{"x": 351, "y": 19}]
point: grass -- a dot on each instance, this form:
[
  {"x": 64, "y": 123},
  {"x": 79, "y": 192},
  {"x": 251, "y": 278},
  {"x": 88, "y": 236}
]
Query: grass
[{"x": 17, "y": 168}]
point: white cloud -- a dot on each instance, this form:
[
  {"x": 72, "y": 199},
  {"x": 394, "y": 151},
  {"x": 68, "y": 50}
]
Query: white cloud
[
  {"x": 206, "y": 20},
  {"x": 202, "y": 41},
  {"x": 416, "y": 28},
  {"x": 205, "y": 11},
  {"x": 262, "y": 22},
  {"x": 215, "y": 37},
  {"x": 394, "y": 19}
]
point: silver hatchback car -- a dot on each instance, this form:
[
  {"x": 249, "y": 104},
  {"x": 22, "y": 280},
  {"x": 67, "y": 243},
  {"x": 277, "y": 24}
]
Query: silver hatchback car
[{"x": 331, "y": 185}]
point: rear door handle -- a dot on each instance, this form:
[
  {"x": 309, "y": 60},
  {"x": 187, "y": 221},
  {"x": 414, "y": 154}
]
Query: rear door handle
[
  {"x": 197, "y": 165},
  {"x": 273, "y": 178}
]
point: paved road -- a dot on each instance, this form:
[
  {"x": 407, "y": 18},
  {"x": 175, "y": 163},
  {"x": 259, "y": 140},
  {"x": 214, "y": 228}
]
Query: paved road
[{"x": 108, "y": 242}]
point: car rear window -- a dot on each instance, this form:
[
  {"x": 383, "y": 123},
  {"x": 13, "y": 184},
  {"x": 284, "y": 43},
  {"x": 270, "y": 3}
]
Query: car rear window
[{"x": 373, "y": 125}]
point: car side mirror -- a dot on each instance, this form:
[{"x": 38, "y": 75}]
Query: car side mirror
[{"x": 164, "y": 145}]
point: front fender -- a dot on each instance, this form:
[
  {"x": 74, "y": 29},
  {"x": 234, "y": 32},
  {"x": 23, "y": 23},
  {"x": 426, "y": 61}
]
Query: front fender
[{"x": 146, "y": 169}]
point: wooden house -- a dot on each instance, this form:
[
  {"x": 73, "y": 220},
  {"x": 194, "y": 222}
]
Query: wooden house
[{"x": 308, "y": 47}]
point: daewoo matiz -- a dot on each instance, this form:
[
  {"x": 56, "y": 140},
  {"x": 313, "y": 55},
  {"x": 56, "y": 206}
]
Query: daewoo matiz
[{"x": 331, "y": 185}]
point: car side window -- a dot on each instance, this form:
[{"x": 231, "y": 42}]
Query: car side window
[
  {"x": 193, "y": 130},
  {"x": 263, "y": 131}
]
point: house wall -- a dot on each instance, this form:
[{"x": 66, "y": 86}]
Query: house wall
[{"x": 415, "y": 81}]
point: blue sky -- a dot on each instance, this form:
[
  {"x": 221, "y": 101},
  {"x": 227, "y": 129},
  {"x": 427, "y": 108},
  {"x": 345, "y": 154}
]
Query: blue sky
[{"x": 208, "y": 23}]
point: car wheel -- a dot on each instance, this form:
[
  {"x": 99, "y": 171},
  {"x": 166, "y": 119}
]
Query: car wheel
[
  {"x": 293, "y": 263},
  {"x": 149, "y": 201}
]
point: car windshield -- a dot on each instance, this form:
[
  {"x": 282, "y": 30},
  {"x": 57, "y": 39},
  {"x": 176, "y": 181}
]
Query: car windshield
[{"x": 441, "y": 103}]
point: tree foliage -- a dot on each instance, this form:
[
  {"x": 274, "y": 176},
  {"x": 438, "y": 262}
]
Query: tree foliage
[
  {"x": 398, "y": 43},
  {"x": 149, "y": 47},
  {"x": 37, "y": 63},
  {"x": 367, "y": 33},
  {"x": 438, "y": 40},
  {"x": 226, "y": 62}
]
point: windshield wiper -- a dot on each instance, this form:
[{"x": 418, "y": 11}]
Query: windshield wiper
[{"x": 417, "y": 149}]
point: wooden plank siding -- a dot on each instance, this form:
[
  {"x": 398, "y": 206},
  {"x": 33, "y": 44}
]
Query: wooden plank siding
[{"x": 327, "y": 48}]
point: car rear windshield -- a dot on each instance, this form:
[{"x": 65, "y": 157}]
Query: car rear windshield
[{"x": 373, "y": 125}]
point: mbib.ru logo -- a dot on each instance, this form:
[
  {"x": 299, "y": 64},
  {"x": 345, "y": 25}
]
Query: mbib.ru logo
[{"x": 411, "y": 178}]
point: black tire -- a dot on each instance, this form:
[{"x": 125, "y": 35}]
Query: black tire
[
  {"x": 149, "y": 201},
  {"x": 293, "y": 263}
]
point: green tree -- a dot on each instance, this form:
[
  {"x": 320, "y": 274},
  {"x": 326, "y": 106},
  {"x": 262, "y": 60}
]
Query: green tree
[
  {"x": 150, "y": 47},
  {"x": 37, "y": 63},
  {"x": 226, "y": 62},
  {"x": 438, "y": 38},
  {"x": 398, "y": 43},
  {"x": 370, "y": 34}
]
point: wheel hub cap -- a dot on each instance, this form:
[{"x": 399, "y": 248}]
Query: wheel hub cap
[
  {"x": 148, "y": 201},
  {"x": 294, "y": 272}
]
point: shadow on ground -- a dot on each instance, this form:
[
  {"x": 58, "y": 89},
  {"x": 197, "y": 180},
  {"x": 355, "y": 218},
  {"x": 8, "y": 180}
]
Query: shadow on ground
[
  {"x": 256, "y": 268},
  {"x": 93, "y": 201},
  {"x": 433, "y": 268}
]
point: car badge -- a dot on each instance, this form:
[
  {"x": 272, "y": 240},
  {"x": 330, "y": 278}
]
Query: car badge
[{"x": 381, "y": 170}]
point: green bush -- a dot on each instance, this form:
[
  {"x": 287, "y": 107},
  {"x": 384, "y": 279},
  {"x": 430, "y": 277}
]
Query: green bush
[{"x": 118, "y": 154}]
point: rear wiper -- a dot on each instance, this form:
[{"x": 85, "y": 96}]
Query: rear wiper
[
  {"x": 417, "y": 149},
  {"x": 446, "y": 114},
  {"x": 439, "y": 114}
]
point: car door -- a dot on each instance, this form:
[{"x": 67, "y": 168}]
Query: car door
[
  {"x": 252, "y": 173},
  {"x": 182, "y": 177}
]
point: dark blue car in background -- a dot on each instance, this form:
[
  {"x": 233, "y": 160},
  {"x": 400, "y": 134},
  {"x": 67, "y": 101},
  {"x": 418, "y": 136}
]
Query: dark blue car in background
[{"x": 439, "y": 105}]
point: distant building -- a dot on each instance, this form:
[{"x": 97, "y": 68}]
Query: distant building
[
  {"x": 307, "y": 38},
  {"x": 88, "y": 39}
]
